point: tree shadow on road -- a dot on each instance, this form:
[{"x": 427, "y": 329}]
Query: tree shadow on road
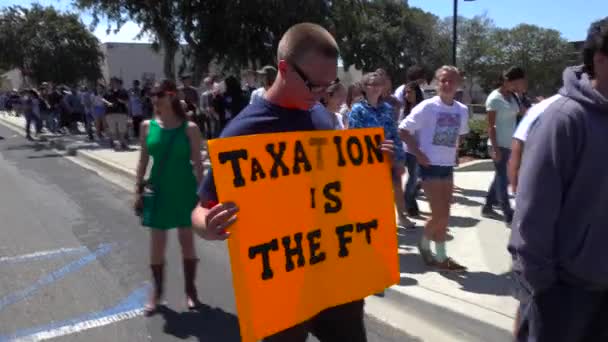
[
  {"x": 472, "y": 192},
  {"x": 97, "y": 145},
  {"x": 409, "y": 260},
  {"x": 454, "y": 222},
  {"x": 35, "y": 146},
  {"x": 462, "y": 222},
  {"x": 46, "y": 155},
  {"x": 466, "y": 201},
  {"x": 205, "y": 324},
  {"x": 409, "y": 237},
  {"x": 411, "y": 263},
  {"x": 484, "y": 282}
]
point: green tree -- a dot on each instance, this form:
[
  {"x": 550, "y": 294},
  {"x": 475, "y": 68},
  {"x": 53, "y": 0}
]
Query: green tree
[
  {"x": 251, "y": 36},
  {"x": 381, "y": 33},
  {"x": 542, "y": 52},
  {"x": 161, "y": 19},
  {"x": 47, "y": 45},
  {"x": 475, "y": 43},
  {"x": 390, "y": 35}
]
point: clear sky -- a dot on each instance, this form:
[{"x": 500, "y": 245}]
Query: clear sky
[{"x": 571, "y": 17}]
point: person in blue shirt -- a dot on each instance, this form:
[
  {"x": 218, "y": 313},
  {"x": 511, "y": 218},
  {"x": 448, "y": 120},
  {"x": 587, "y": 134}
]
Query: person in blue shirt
[
  {"x": 372, "y": 111},
  {"x": 307, "y": 60}
]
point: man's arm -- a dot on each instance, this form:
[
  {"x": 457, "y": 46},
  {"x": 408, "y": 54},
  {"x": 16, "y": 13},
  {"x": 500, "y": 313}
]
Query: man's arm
[
  {"x": 491, "y": 115},
  {"x": 517, "y": 148},
  {"x": 549, "y": 162},
  {"x": 462, "y": 132}
]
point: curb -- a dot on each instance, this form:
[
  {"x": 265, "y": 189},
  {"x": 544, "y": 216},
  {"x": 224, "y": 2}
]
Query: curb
[
  {"x": 108, "y": 165},
  {"x": 11, "y": 125},
  {"x": 448, "y": 315},
  {"x": 62, "y": 145}
]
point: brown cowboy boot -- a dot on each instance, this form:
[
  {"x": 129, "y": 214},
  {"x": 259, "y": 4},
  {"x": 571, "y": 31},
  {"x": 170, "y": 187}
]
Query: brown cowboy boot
[
  {"x": 156, "y": 293},
  {"x": 192, "y": 301}
]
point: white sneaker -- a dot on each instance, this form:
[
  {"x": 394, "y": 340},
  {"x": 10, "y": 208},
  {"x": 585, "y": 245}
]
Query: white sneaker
[{"x": 405, "y": 223}]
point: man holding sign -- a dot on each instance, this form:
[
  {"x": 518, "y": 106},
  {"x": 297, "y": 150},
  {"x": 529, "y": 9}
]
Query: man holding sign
[{"x": 295, "y": 274}]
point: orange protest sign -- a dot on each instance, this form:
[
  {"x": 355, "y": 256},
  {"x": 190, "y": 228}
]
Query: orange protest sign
[{"x": 316, "y": 226}]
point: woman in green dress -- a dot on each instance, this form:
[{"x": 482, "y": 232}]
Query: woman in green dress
[{"x": 174, "y": 145}]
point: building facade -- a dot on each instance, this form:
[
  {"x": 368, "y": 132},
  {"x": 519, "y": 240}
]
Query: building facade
[
  {"x": 138, "y": 61},
  {"x": 133, "y": 61}
]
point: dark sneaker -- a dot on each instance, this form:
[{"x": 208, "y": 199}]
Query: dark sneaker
[
  {"x": 488, "y": 212},
  {"x": 509, "y": 219},
  {"x": 427, "y": 256},
  {"x": 413, "y": 212},
  {"x": 405, "y": 223},
  {"x": 449, "y": 265}
]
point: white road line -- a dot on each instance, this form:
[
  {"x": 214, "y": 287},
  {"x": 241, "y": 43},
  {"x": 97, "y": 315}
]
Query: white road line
[
  {"x": 41, "y": 255},
  {"x": 81, "y": 326}
]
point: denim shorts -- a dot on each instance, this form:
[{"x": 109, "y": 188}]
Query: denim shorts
[{"x": 434, "y": 172}]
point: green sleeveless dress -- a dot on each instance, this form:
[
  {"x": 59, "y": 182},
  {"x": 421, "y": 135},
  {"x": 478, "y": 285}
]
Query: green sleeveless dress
[{"x": 176, "y": 188}]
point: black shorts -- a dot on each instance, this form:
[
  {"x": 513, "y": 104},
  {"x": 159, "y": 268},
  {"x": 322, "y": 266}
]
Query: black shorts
[
  {"x": 338, "y": 324},
  {"x": 434, "y": 172}
]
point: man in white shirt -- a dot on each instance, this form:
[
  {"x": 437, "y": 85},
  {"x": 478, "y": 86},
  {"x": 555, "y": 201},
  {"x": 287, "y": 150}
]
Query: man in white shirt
[
  {"x": 520, "y": 136},
  {"x": 268, "y": 74},
  {"x": 414, "y": 74}
]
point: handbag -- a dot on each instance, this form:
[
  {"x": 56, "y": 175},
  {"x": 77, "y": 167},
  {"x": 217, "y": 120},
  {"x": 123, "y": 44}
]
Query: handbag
[{"x": 150, "y": 194}]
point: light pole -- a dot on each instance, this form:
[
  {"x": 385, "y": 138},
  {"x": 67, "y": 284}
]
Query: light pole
[{"x": 455, "y": 31}]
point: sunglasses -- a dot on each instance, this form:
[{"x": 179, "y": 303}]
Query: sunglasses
[{"x": 313, "y": 88}]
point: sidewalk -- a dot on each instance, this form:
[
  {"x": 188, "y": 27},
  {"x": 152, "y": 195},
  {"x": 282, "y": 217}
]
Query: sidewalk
[
  {"x": 474, "y": 306},
  {"x": 100, "y": 153}
]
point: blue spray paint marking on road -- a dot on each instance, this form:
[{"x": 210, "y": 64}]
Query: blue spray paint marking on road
[
  {"x": 129, "y": 307},
  {"x": 42, "y": 255},
  {"x": 74, "y": 266}
]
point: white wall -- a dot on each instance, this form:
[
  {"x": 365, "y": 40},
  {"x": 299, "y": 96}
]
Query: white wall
[
  {"x": 133, "y": 61},
  {"x": 350, "y": 76},
  {"x": 11, "y": 80}
]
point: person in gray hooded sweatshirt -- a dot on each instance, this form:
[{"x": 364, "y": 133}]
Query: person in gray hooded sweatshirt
[{"x": 559, "y": 241}]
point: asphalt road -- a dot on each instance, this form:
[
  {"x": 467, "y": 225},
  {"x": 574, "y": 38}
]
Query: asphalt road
[{"x": 73, "y": 261}]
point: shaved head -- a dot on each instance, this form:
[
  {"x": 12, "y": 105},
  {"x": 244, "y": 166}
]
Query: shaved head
[{"x": 303, "y": 39}]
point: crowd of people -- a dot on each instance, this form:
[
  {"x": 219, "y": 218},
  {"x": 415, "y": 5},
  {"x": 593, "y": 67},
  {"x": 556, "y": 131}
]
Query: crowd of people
[
  {"x": 114, "y": 113},
  {"x": 549, "y": 152},
  {"x": 557, "y": 224}
]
